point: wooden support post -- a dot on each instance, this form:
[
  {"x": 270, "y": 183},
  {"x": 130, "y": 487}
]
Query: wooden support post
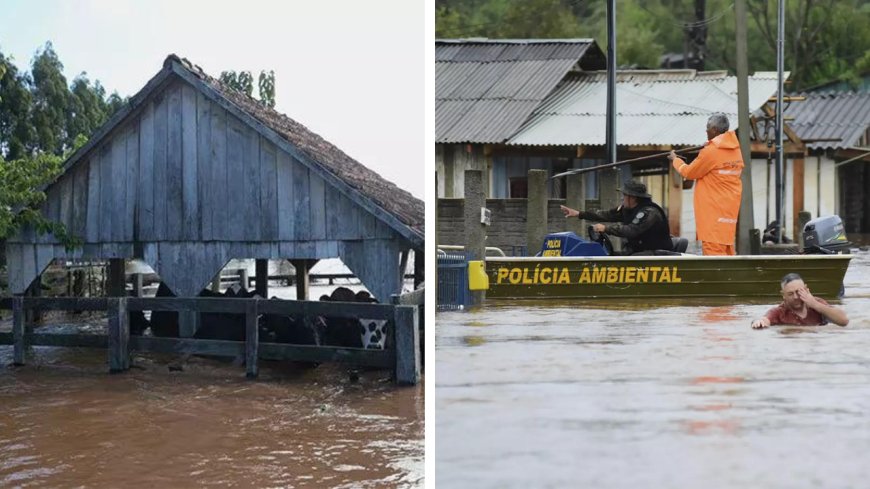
[
  {"x": 119, "y": 335},
  {"x": 575, "y": 198},
  {"x": 137, "y": 284},
  {"x": 407, "y": 345},
  {"x": 116, "y": 281},
  {"x": 403, "y": 265},
  {"x": 216, "y": 283},
  {"x": 18, "y": 336},
  {"x": 536, "y": 214},
  {"x": 797, "y": 167},
  {"x": 302, "y": 279},
  {"x": 244, "y": 279},
  {"x": 252, "y": 339},
  {"x": 754, "y": 242},
  {"x": 419, "y": 268},
  {"x": 261, "y": 278}
]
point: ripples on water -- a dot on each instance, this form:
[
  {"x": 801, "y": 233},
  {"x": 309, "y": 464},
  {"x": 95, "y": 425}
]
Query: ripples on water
[
  {"x": 652, "y": 394},
  {"x": 64, "y": 422}
]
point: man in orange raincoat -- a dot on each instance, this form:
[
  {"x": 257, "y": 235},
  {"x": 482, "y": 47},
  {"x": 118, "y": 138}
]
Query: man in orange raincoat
[{"x": 717, "y": 194}]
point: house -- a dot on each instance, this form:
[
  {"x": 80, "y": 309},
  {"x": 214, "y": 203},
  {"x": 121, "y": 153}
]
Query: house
[
  {"x": 555, "y": 118},
  {"x": 190, "y": 174},
  {"x": 831, "y": 176}
]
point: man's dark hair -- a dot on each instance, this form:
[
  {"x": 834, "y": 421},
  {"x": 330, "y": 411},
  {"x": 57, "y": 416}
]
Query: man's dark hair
[{"x": 791, "y": 277}]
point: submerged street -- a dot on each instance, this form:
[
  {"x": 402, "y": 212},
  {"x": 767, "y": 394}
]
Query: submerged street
[{"x": 652, "y": 393}]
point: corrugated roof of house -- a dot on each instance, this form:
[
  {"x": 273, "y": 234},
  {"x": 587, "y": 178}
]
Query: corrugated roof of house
[
  {"x": 654, "y": 107},
  {"x": 486, "y": 89},
  {"x": 831, "y": 120}
]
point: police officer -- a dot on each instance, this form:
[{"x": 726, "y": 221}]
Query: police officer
[{"x": 639, "y": 220}]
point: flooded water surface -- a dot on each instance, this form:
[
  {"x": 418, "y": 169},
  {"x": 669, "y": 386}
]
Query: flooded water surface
[
  {"x": 658, "y": 394},
  {"x": 65, "y": 422}
]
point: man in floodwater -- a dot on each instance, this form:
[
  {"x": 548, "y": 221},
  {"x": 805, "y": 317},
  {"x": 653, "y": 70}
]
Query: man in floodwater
[
  {"x": 641, "y": 221},
  {"x": 717, "y": 195},
  {"x": 800, "y": 307}
]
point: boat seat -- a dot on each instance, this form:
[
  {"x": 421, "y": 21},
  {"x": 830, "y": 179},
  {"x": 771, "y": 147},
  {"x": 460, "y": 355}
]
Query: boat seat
[{"x": 680, "y": 244}]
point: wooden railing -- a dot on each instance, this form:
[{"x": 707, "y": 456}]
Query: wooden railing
[{"x": 401, "y": 353}]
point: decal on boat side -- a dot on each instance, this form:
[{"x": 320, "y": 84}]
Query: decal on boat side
[{"x": 588, "y": 275}]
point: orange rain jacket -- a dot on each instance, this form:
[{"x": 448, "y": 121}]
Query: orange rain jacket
[{"x": 717, "y": 194}]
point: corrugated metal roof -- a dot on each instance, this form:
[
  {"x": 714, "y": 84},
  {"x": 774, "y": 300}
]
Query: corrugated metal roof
[
  {"x": 830, "y": 116},
  {"x": 653, "y": 107},
  {"x": 486, "y": 89}
]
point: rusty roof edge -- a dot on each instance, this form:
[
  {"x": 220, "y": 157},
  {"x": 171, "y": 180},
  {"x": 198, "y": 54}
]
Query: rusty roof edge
[{"x": 185, "y": 70}]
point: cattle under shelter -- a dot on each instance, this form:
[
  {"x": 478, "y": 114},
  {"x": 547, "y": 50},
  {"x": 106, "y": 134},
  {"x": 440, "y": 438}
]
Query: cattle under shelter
[{"x": 191, "y": 173}]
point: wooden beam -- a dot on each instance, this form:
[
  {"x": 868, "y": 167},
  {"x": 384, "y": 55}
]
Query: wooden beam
[
  {"x": 419, "y": 268},
  {"x": 302, "y": 279},
  {"x": 18, "y": 330},
  {"x": 261, "y": 278},
  {"x": 252, "y": 340},
  {"x": 115, "y": 282},
  {"x": 407, "y": 345},
  {"x": 119, "y": 335},
  {"x": 797, "y": 196}
]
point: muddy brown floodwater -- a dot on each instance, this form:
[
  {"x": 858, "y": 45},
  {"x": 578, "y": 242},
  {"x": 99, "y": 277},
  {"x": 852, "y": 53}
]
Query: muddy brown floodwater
[
  {"x": 657, "y": 394},
  {"x": 65, "y": 422}
]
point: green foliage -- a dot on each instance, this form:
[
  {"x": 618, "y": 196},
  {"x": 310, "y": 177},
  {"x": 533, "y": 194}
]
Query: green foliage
[
  {"x": 50, "y": 98},
  {"x": 42, "y": 121},
  {"x": 243, "y": 82},
  {"x": 267, "y": 88},
  {"x": 825, "y": 40},
  {"x": 20, "y": 196}
]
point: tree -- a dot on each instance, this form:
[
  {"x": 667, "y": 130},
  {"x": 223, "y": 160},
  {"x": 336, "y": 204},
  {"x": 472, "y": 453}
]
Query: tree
[
  {"x": 16, "y": 131},
  {"x": 20, "y": 195},
  {"x": 243, "y": 82},
  {"x": 50, "y": 99},
  {"x": 825, "y": 39},
  {"x": 267, "y": 88}
]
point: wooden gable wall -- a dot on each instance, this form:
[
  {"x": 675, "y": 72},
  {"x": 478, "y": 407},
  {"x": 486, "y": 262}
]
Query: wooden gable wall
[{"x": 183, "y": 174}]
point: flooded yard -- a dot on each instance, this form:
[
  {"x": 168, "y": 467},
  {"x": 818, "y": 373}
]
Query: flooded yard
[
  {"x": 65, "y": 422},
  {"x": 648, "y": 393}
]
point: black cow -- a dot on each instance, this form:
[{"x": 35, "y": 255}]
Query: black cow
[
  {"x": 164, "y": 323},
  {"x": 352, "y": 332}
]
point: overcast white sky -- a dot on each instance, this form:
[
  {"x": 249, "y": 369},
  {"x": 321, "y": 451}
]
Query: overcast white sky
[{"x": 351, "y": 71}]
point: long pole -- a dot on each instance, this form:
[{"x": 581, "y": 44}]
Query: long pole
[
  {"x": 623, "y": 162},
  {"x": 780, "y": 180},
  {"x": 611, "y": 81},
  {"x": 746, "y": 217}
]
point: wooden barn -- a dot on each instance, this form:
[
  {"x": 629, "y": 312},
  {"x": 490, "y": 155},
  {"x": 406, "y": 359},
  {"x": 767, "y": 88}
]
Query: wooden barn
[{"x": 191, "y": 174}]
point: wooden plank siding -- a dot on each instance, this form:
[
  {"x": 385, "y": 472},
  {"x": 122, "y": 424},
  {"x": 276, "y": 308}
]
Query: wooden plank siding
[
  {"x": 191, "y": 229},
  {"x": 174, "y": 175},
  {"x": 268, "y": 191},
  {"x": 192, "y": 185}
]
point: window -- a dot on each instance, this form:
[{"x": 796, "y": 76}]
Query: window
[{"x": 518, "y": 188}]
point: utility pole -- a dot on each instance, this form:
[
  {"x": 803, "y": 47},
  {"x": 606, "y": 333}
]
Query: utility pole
[
  {"x": 611, "y": 81},
  {"x": 746, "y": 217},
  {"x": 608, "y": 180},
  {"x": 780, "y": 176}
]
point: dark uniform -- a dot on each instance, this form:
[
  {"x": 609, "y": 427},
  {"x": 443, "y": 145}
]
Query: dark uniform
[{"x": 645, "y": 226}]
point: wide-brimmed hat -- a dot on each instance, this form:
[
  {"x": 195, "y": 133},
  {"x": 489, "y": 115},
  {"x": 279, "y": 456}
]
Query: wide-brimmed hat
[{"x": 636, "y": 189}]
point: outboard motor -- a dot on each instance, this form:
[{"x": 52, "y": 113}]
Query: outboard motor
[
  {"x": 569, "y": 244},
  {"x": 825, "y": 235}
]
